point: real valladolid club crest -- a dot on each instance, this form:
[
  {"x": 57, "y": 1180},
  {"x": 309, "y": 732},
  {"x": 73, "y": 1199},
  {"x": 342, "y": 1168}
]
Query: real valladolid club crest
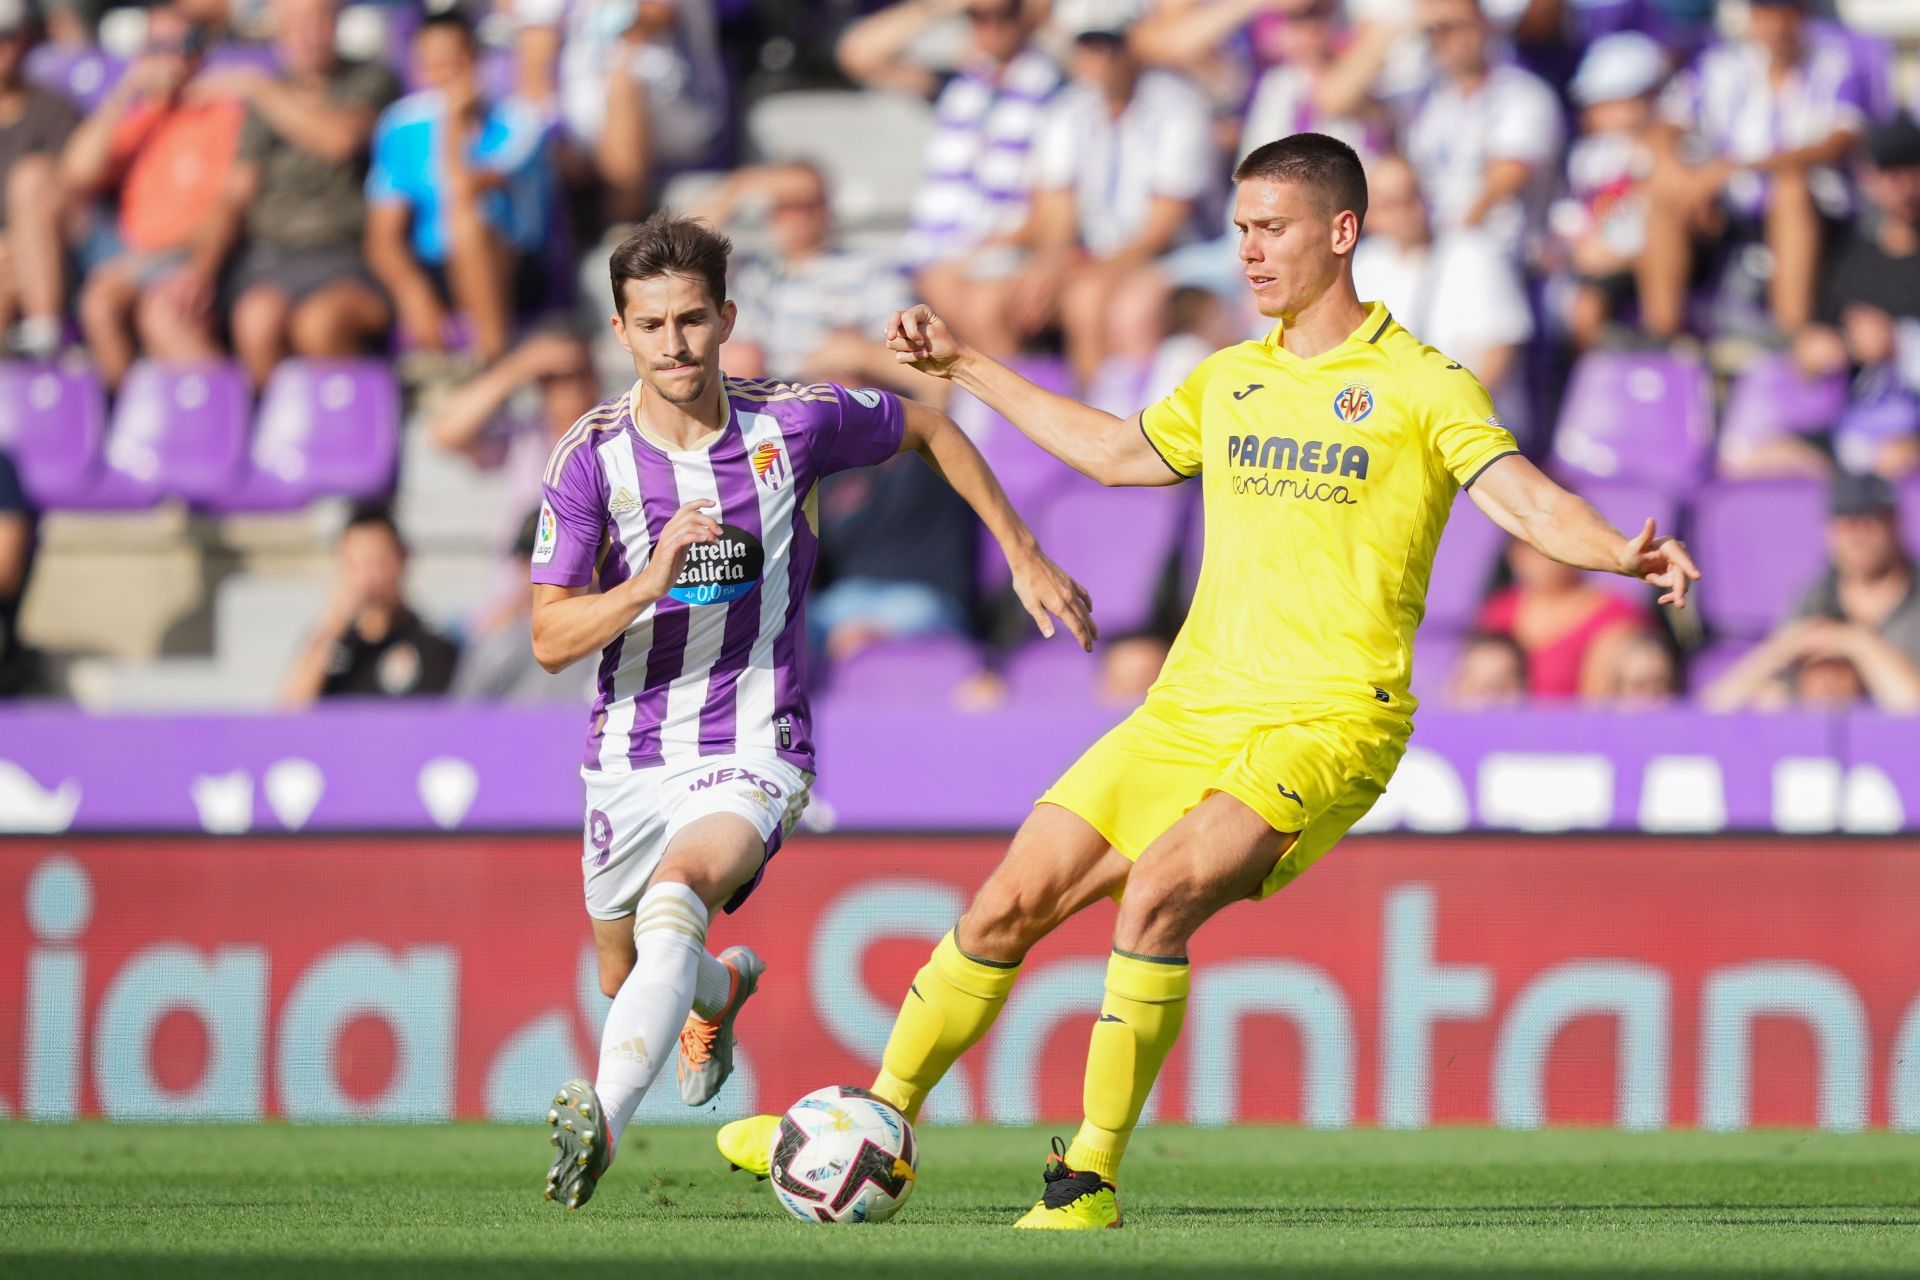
[
  {"x": 1353, "y": 403},
  {"x": 770, "y": 465}
]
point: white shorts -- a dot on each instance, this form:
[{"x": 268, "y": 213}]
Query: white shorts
[{"x": 632, "y": 817}]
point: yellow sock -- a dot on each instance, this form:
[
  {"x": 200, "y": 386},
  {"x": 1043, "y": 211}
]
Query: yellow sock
[
  {"x": 953, "y": 1000},
  {"x": 1139, "y": 1021}
]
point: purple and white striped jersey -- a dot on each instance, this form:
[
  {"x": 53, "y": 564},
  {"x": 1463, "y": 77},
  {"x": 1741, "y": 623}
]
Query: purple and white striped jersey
[{"x": 719, "y": 665}]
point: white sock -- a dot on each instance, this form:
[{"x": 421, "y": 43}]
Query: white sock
[
  {"x": 713, "y": 988},
  {"x": 643, "y": 1026}
]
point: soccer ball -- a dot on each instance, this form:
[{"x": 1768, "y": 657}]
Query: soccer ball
[{"x": 843, "y": 1155}]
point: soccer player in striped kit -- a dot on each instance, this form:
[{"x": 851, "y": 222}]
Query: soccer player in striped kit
[{"x": 677, "y": 535}]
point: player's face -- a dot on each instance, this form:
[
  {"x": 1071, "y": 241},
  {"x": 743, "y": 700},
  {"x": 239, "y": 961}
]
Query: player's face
[
  {"x": 1291, "y": 248},
  {"x": 673, "y": 329}
]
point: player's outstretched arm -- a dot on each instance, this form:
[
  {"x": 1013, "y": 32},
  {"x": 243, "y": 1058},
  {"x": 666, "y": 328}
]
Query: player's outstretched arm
[
  {"x": 1556, "y": 523},
  {"x": 571, "y": 622},
  {"x": 1044, "y": 588},
  {"x": 1100, "y": 446}
]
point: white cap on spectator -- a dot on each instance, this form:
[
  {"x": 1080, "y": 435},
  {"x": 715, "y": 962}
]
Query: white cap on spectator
[
  {"x": 1076, "y": 18},
  {"x": 14, "y": 16},
  {"x": 1623, "y": 65}
]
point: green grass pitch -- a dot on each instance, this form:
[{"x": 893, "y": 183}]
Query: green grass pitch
[{"x": 463, "y": 1201}]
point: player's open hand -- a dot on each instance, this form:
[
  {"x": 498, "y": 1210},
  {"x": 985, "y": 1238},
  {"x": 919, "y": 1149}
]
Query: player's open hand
[
  {"x": 1664, "y": 562},
  {"x": 689, "y": 527},
  {"x": 1047, "y": 592},
  {"x": 919, "y": 338}
]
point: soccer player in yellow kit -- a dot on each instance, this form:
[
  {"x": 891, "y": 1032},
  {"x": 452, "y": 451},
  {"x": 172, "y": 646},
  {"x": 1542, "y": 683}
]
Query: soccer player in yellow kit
[{"x": 1329, "y": 454}]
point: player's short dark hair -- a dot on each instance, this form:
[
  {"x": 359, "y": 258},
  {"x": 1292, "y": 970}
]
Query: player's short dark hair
[
  {"x": 1326, "y": 166},
  {"x": 667, "y": 244},
  {"x": 374, "y": 515}
]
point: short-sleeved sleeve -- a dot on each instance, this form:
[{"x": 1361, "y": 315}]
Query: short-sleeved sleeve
[
  {"x": 1679, "y": 103},
  {"x": 573, "y": 505},
  {"x": 1172, "y": 425},
  {"x": 1054, "y": 145},
  {"x": 1528, "y": 128},
  {"x": 866, "y": 431},
  {"x": 384, "y": 182},
  {"x": 1465, "y": 431}
]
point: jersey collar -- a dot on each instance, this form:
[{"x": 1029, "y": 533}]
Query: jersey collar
[
  {"x": 1371, "y": 330},
  {"x": 647, "y": 437}
]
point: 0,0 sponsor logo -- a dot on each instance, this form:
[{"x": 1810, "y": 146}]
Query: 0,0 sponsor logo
[{"x": 717, "y": 572}]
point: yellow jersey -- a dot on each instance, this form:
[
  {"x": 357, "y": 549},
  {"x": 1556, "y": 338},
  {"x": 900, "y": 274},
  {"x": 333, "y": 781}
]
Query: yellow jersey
[{"x": 1326, "y": 484}]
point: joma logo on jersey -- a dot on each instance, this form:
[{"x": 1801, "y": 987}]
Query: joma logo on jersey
[
  {"x": 1353, "y": 403},
  {"x": 770, "y": 465},
  {"x": 1283, "y": 453}
]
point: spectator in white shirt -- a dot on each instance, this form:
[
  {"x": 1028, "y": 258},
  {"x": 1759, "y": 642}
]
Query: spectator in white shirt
[
  {"x": 970, "y": 213},
  {"x": 1755, "y": 141},
  {"x": 811, "y": 308},
  {"x": 1454, "y": 290},
  {"x": 1289, "y": 97},
  {"x": 1125, "y": 169},
  {"x": 1599, "y": 225},
  {"x": 1486, "y": 136}
]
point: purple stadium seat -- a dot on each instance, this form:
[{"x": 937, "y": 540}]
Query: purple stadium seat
[
  {"x": 1759, "y": 543},
  {"x": 324, "y": 427},
  {"x": 83, "y": 75},
  {"x": 177, "y": 430},
  {"x": 1029, "y": 474},
  {"x": 1463, "y": 568},
  {"x": 1117, "y": 543},
  {"x": 1772, "y": 397},
  {"x": 923, "y": 671},
  {"x": 1627, "y": 506},
  {"x": 1051, "y": 671},
  {"x": 1435, "y": 650},
  {"x": 52, "y": 421},
  {"x": 1633, "y": 415}
]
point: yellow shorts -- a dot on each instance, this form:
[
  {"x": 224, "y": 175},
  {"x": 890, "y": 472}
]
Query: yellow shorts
[{"x": 1315, "y": 769}]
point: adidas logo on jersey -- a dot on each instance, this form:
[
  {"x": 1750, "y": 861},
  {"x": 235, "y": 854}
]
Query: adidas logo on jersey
[{"x": 623, "y": 502}]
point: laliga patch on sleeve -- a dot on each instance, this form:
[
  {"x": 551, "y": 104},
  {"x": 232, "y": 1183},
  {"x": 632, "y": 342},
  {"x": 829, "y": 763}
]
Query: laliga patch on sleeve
[{"x": 547, "y": 535}]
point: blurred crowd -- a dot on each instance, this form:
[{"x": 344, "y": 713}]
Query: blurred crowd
[{"x": 256, "y": 180}]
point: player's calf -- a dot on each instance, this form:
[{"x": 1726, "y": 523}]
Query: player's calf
[{"x": 707, "y": 1044}]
